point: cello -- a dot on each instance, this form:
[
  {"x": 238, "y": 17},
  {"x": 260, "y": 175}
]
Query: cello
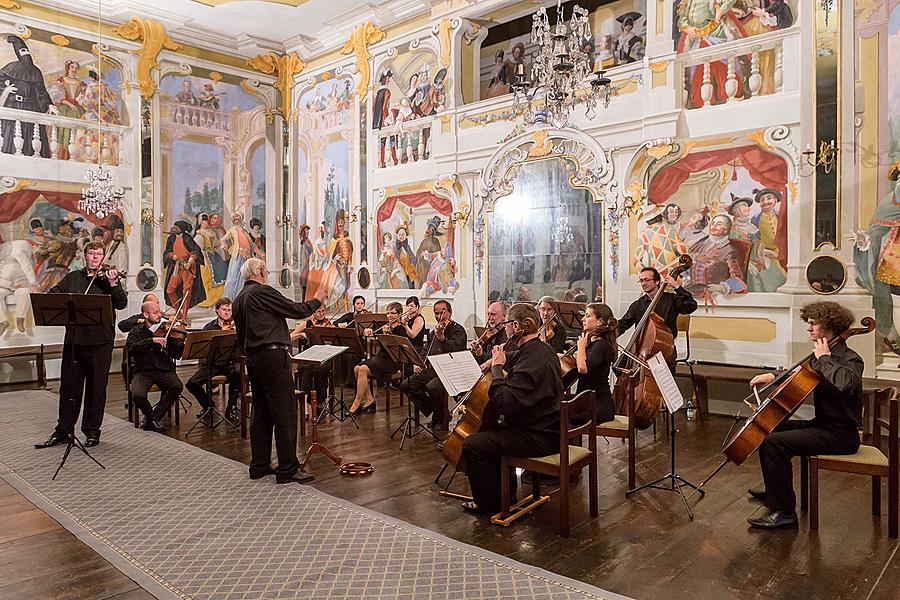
[{"x": 635, "y": 389}]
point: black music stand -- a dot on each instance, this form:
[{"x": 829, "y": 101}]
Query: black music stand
[
  {"x": 335, "y": 336},
  {"x": 401, "y": 350},
  {"x": 569, "y": 313},
  {"x": 217, "y": 348},
  {"x": 72, "y": 310},
  {"x": 317, "y": 447}
]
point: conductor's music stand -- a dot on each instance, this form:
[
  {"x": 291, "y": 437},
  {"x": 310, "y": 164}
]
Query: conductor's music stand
[
  {"x": 216, "y": 349},
  {"x": 316, "y": 447},
  {"x": 401, "y": 350},
  {"x": 335, "y": 336},
  {"x": 72, "y": 310},
  {"x": 569, "y": 313}
]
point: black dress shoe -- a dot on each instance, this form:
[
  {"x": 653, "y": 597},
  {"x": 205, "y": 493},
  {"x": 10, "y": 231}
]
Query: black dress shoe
[
  {"x": 757, "y": 493},
  {"x": 298, "y": 477},
  {"x": 471, "y": 507},
  {"x": 151, "y": 425},
  {"x": 54, "y": 439},
  {"x": 261, "y": 474},
  {"x": 775, "y": 519},
  {"x": 92, "y": 440}
]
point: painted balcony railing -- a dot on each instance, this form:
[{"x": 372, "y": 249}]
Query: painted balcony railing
[
  {"x": 405, "y": 142},
  {"x": 734, "y": 71},
  {"x": 64, "y": 138},
  {"x": 196, "y": 116}
]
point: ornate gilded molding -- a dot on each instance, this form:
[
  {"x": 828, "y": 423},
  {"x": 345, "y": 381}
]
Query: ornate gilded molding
[
  {"x": 153, "y": 35},
  {"x": 60, "y": 40},
  {"x": 10, "y": 4},
  {"x": 362, "y": 37},
  {"x": 264, "y": 93},
  {"x": 443, "y": 31},
  {"x": 284, "y": 67}
]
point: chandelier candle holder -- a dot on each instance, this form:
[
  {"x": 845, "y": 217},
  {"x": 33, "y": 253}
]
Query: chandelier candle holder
[{"x": 559, "y": 69}]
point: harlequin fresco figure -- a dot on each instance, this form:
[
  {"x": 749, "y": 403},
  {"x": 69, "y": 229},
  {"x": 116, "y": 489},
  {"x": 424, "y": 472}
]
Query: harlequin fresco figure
[
  {"x": 97, "y": 95},
  {"x": 22, "y": 87},
  {"x": 182, "y": 259},
  {"x": 660, "y": 244}
]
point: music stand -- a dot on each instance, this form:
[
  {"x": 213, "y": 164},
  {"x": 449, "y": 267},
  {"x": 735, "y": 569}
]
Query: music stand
[
  {"x": 316, "y": 447},
  {"x": 72, "y": 310},
  {"x": 217, "y": 348},
  {"x": 569, "y": 313},
  {"x": 372, "y": 321},
  {"x": 401, "y": 350},
  {"x": 335, "y": 336}
]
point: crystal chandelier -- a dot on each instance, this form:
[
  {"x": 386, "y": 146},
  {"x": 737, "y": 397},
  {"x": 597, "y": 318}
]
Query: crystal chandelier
[
  {"x": 559, "y": 68},
  {"x": 101, "y": 197},
  {"x": 563, "y": 235}
]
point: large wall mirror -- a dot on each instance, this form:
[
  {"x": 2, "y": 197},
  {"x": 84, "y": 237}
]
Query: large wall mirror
[
  {"x": 827, "y": 123},
  {"x": 545, "y": 238}
]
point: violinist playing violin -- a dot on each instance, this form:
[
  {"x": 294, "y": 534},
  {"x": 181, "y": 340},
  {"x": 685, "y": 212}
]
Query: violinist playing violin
[
  {"x": 359, "y": 307},
  {"x": 838, "y": 414},
  {"x": 153, "y": 347},
  {"x": 527, "y": 396},
  {"x": 414, "y": 323},
  {"x": 196, "y": 385},
  {"x": 594, "y": 355},
  {"x": 87, "y": 351},
  {"x": 493, "y": 336},
  {"x": 670, "y": 305},
  {"x": 315, "y": 376},
  {"x": 380, "y": 365},
  {"x": 552, "y": 331}
]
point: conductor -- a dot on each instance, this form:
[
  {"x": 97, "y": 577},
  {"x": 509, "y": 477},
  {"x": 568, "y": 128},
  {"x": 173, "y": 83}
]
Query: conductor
[{"x": 262, "y": 334}]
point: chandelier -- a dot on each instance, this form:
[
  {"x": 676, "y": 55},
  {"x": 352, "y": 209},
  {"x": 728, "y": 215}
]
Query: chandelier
[
  {"x": 101, "y": 197},
  {"x": 563, "y": 235},
  {"x": 559, "y": 68}
]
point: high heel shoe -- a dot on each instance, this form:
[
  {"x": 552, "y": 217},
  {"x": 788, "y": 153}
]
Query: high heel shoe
[
  {"x": 369, "y": 408},
  {"x": 359, "y": 410}
]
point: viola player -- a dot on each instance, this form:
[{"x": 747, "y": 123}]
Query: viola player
[{"x": 838, "y": 414}]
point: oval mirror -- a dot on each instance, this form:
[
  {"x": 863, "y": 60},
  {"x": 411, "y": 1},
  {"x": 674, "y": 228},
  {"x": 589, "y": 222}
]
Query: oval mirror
[
  {"x": 147, "y": 279},
  {"x": 284, "y": 278},
  {"x": 826, "y": 275},
  {"x": 364, "y": 278}
]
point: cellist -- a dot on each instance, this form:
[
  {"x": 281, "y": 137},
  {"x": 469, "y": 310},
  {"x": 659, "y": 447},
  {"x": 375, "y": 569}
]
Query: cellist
[
  {"x": 838, "y": 414},
  {"x": 527, "y": 396},
  {"x": 679, "y": 302}
]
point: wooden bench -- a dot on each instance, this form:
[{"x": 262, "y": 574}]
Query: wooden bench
[{"x": 40, "y": 353}]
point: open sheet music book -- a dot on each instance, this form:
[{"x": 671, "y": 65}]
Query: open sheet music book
[
  {"x": 320, "y": 353},
  {"x": 666, "y": 382},
  {"x": 458, "y": 371}
]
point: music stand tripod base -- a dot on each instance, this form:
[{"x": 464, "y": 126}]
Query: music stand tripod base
[
  {"x": 74, "y": 441},
  {"x": 316, "y": 447}
]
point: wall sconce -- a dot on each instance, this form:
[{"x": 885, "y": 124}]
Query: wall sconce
[
  {"x": 826, "y": 156},
  {"x": 461, "y": 216},
  {"x": 147, "y": 218},
  {"x": 355, "y": 213},
  {"x": 285, "y": 220}
]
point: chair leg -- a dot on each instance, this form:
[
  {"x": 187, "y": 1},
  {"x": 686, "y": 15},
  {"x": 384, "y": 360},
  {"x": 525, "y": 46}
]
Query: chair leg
[
  {"x": 804, "y": 482},
  {"x": 876, "y": 496},
  {"x": 592, "y": 481},
  {"x": 504, "y": 488},
  {"x": 813, "y": 493},
  {"x": 893, "y": 515},
  {"x": 564, "y": 502},
  {"x": 632, "y": 444}
]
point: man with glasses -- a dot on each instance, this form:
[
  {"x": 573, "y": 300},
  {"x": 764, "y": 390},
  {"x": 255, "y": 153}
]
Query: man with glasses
[
  {"x": 670, "y": 305},
  {"x": 552, "y": 330}
]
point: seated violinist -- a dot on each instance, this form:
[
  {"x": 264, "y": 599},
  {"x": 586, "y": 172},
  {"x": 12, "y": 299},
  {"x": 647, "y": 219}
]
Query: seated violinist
[
  {"x": 126, "y": 325},
  {"x": 196, "y": 385},
  {"x": 152, "y": 358},
  {"x": 315, "y": 376},
  {"x": 381, "y": 364},
  {"x": 414, "y": 323},
  {"x": 493, "y": 336},
  {"x": 594, "y": 355},
  {"x": 359, "y": 306},
  {"x": 838, "y": 414},
  {"x": 424, "y": 388},
  {"x": 527, "y": 397},
  {"x": 552, "y": 331}
]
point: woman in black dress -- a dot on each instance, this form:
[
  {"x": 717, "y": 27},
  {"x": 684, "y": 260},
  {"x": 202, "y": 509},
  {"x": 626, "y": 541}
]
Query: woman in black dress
[
  {"x": 378, "y": 366},
  {"x": 595, "y": 353},
  {"x": 414, "y": 324}
]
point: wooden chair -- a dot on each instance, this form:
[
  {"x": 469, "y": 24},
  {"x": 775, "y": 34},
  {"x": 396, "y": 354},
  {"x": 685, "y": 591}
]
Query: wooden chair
[
  {"x": 868, "y": 460},
  {"x": 134, "y": 415},
  {"x": 245, "y": 397},
  {"x": 622, "y": 428},
  {"x": 569, "y": 461}
]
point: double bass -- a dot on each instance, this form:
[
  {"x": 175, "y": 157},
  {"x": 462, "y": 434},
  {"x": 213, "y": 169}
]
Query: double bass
[{"x": 651, "y": 336}]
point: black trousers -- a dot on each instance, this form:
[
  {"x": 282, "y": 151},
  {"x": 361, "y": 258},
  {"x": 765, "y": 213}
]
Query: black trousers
[
  {"x": 169, "y": 385},
  {"x": 798, "y": 438},
  {"x": 196, "y": 385},
  {"x": 481, "y": 454},
  {"x": 315, "y": 377},
  {"x": 83, "y": 375},
  {"x": 426, "y": 391},
  {"x": 274, "y": 411}
]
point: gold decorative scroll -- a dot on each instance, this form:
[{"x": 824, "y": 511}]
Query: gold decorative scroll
[
  {"x": 444, "y": 31},
  {"x": 10, "y": 4},
  {"x": 153, "y": 35},
  {"x": 60, "y": 40},
  {"x": 660, "y": 150},
  {"x": 284, "y": 67},
  {"x": 362, "y": 37}
]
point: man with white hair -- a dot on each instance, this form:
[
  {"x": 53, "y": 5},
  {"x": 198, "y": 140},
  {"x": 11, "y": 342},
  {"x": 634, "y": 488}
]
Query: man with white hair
[
  {"x": 263, "y": 336},
  {"x": 16, "y": 280}
]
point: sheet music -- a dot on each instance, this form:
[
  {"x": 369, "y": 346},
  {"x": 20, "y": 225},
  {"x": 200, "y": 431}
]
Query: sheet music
[
  {"x": 666, "y": 382},
  {"x": 458, "y": 371},
  {"x": 320, "y": 353}
]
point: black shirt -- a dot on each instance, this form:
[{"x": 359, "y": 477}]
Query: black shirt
[
  {"x": 838, "y": 397},
  {"x": 600, "y": 355},
  {"x": 418, "y": 342},
  {"x": 126, "y": 325},
  {"x": 558, "y": 341},
  {"x": 489, "y": 345},
  {"x": 346, "y": 318},
  {"x": 77, "y": 282},
  {"x": 670, "y": 305},
  {"x": 528, "y": 396},
  {"x": 260, "y": 312},
  {"x": 211, "y": 326},
  {"x": 455, "y": 340},
  {"x": 147, "y": 355}
]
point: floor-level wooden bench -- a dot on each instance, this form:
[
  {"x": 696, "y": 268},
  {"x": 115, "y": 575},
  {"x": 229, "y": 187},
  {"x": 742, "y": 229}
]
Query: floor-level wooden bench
[{"x": 40, "y": 353}]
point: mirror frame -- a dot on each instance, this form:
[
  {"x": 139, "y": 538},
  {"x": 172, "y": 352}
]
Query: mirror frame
[
  {"x": 835, "y": 259},
  {"x": 142, "y": 269}
]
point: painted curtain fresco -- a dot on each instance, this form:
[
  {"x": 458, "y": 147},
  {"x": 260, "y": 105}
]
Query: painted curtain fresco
[
  {"x": 325, "y": 250},
  {"x": 728, "y": 209},
  {"x": 213, "y": 152}
]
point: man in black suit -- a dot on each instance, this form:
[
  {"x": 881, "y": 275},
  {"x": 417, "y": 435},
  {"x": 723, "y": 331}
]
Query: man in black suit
[{"x": 196, "y": 385}]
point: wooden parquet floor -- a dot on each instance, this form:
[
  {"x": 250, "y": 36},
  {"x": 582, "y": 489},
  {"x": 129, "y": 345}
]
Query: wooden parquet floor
[{"x": 644, "y": 546}]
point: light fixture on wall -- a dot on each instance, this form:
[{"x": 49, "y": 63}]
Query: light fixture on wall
[
  {"x": 558, "y": 70},
  {"x": 563, "y": 235},
  {"x": 285, "y": 220},
  {"x": 147, "y": 218},
  {"x": 461, "y": 216},
  {"x": 825, "y": 157},
  {"x": 355, "y": 213},
  {"x": 101, "y": 197},
  {"x": 828, "y": 7}
]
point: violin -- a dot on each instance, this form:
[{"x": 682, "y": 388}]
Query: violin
[
  {"x": 548, "y": 329},
  {"x": 567, "y": 362},
  {"x": 486, "y": 335},
  {"x": 171, "y": 329},
  {"x": 409, "y": 314},
  {"x": 229, "y": 325},
  {"x": 324, "y": 322}
]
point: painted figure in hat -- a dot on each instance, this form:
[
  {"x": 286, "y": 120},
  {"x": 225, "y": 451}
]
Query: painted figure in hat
[
  {"x": 742, "y": 227},
  {"x": 238, "y": 245},
  {"x": 765, "y": 272},
  {"x": 660, "y": 243},
  {"x": 717, "y": 269},
  {"x": 428, "y": 250},
  {"x": 183, "y": 259},
  {"x": 22, "y": 87},
  {"x": 629, "y": 45},
  {"x": 214, "y": 269}
]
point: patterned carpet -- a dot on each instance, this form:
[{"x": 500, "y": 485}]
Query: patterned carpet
[{"x": 185, "y": 523}]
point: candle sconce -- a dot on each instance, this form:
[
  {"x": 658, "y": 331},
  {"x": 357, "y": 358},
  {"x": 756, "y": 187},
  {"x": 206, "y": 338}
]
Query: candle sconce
[
  {"x": 461, "y": 216},
  {"x": 825, "y": 157},
  {"x": 355, "y": 213},
  {"x": 147, "y": 218},
  {"x": 285, "y": 221}
]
